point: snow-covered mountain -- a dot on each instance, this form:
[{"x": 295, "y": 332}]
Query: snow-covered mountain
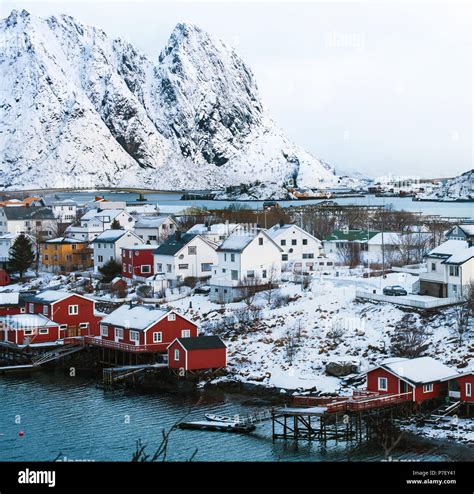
[
  {"x": 457, "y": 189},
  {"x": 83, "y": 110}
]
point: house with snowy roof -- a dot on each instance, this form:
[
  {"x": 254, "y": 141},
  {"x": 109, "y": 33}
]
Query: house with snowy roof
[
  {"x": 154, "y": 230},
  {"x": 419, "y": 379},
  {"x": 64, "y": 255},
  {"x": 461, "y": 387},
  {"x": 461, "y": 232},
  {"x": 30, "y": 330},
  {"x": 108, "y": 246},
  {"x": 142, "y": 328},
  {"x": 6, "y": 242},
  {"x": 185, "y": 256},
  {"x": 96, "y": 221},
  {"x": 300, "y": 250},
  {"x": 247, "y": 257},
  {"x": 32, "y": 220},
  {"x": 450, "y": 270},
  {"x": 216, "y": 233},
  {"x": 75, "y": 314}
]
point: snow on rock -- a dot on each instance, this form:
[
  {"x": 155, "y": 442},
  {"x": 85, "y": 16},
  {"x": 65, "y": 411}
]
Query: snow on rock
[
  {"x": 84, "y": 110},
  {"x": 457, "y": 189}
]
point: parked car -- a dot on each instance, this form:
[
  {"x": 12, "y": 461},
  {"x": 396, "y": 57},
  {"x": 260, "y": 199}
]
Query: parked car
[{"x": 395, "y": 290}]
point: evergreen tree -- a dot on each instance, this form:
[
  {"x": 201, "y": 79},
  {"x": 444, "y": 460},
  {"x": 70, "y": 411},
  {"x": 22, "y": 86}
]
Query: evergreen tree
[
  {"x": 115, "y": 225},
  {"x": 110, "y": 270},
  {"x": 22, "y": 256}
]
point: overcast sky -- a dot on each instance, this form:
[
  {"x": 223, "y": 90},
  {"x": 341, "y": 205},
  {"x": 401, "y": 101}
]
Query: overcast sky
[{"x": 374, "y": 88}]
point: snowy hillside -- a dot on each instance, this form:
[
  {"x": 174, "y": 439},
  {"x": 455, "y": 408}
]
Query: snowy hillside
[
  {"x": 84, "y": 110},
  {"x": 456, "y": 189}
]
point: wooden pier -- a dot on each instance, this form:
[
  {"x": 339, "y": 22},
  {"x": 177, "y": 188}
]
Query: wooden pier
[{"x": 338, "y": 418}]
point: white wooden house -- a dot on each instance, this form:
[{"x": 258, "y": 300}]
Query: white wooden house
[
  {"x": 108, "y": 246},
  {"x": 215, "y": 233},
  {"x": 185, "y": 256},
  {"x": 450, "y": 269},
  {"x": 300, "y": 250},
  {"x": 247, "y": 256},
  {"x": 154, "y": 230}
]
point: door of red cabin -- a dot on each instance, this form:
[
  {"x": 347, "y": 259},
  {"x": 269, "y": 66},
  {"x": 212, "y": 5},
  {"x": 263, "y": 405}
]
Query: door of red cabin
[
  {"x": 403, "y": 387},
  {"x": 73, "y": 331}
]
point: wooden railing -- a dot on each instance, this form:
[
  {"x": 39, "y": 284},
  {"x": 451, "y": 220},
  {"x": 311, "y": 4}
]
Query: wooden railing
[
  {"x": 126, "y": 347},
  {"x": 380, "y": 401}
]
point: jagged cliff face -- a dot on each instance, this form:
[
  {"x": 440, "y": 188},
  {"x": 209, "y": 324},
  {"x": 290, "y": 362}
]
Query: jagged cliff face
[{"x": 82, "y": 110}]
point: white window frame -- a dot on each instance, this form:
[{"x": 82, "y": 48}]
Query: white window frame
[
  {"x": 172, "y": 317},
  {"x": 176, "y": 354},
  {"x": 31, "y": 308},
  {"x": 28, "y": 332},
  {"x": 468, "y": 389},
  {"x": 45, "y": 310},
  {"x": 44, "y": 331},
  {"x": 73, "y": 310},
  {"x": 379, "y": 384},
  {"x": 134, "y": 336},
  {"x": 119, "y": 333},
  {"x": 83, "y": 325},
  {"x": 158, "y": 337},
  {"x": 148, "y": 269},
  {"x": 185, "y": 333},
  {"x": 428, "y": 388},
  {"x": 104, "y": 330}
]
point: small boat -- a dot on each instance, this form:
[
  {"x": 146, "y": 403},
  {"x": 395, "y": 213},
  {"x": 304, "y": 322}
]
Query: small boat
[
  {"x": 208, "y": 425},
  {"x": 220, "y": 418}
]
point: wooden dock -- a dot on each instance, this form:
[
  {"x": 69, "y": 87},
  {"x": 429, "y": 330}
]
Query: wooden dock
[{"x": 18, "y": 368}]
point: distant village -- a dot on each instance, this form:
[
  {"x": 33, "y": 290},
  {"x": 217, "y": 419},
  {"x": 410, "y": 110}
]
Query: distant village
[{"x": 138, "y": 286}]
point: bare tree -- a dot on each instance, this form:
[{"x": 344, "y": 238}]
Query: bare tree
[
  {"x": 410, "y": 340},
  {"x": 464, "y": 312},
  {"x": 349, "y": 254},
  {"x": 249, "y": 288}
]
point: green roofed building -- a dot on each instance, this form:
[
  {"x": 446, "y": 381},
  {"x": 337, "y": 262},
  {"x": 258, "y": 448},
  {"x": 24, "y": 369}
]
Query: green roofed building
[{"x": 342, "y": 244}]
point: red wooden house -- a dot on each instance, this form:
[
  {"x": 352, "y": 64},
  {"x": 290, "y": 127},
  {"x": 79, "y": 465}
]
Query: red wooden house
[
  {"x": 202, "y": 352},
  {"x": 461, "y": 386},
  {"x": 10, "y": 303},
  {"x": 4, "y": 278},
  {"x": 418, "y": 379},
  {"x": 30, "y": 329},
  {"x": 137, "y": 261},
  {"x": 73, "y": 312},
  {"x": 142, "y": 328}
]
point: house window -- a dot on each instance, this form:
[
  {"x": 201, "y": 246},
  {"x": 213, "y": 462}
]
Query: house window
[
  {"x": 104, "y": 330},
  {"x": 250, "y": 274},
  {"x": 44, "y": 331},
  {"x": 305, "y": 241},
  {"x": 46, "y": 257},
  {"x": 146, "y": 268},
  {"x": 468, "y": 389},
  {"x": 31, "y": 308},
  {"x": 62, "y": 327},
  {"x": 176, "y": 354},
  {"x": 383, "y": 384},
  {"x": 183, "y": 266},
  {"x": 172, "y": 317},
  {"x": 134, "y": 336},
  {"x": 206, "y": 266},
  {"x": 232, "y": 258},
  {"x": 83, "y": 325},
  {"x": 45, "y": 310},
  {"x": 428, "y": 388},
  {"x": 168, "y": 268},
  {"x": 100, "y": 259},
  {"x": 28, "y": 332},
  {"x": 73, "y": 310},
  {"x": 308, "y": 256},
  {"x": 192, "y": 250},
  {"x": 453, "y": 270},
  {"x": 185, "y": 333},
  {"x": 293, "y": 241},
  {"x": 157, "y": 337},
  {"x": 234, "y": 274},
  {"x": 433, "y": 266},
  {"x": 264, "y": 273},
  {"x": 282, "y": 242},
  {"x": 284, "y": 257},
  {"x": 260, "y": 241},
  {"x": 119, "y": 333},
  {"x": 159, "y": 267}
]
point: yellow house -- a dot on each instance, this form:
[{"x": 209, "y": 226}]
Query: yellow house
[{"x": 64, "y": 255}]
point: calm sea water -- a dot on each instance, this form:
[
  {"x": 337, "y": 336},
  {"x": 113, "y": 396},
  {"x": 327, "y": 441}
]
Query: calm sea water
[
  {"x": 170, "y": 202},
  {"x": 74, "y": 418}
]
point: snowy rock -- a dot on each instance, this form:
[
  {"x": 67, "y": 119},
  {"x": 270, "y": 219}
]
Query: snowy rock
[
  {"x": 84, "y": 110},
  {"x": 339, "y": 369}
]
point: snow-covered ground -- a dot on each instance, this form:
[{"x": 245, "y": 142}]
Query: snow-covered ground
[
  {"x": 259, "y": 354},
  {"x": 457, "y": 429}
]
